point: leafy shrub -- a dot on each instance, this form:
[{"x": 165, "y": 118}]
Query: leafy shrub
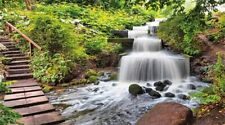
[
  {"x": 95, "y": 45},
  {"x": 8, "y": 116},
  {"x": 214, "y": 93},
  {"x": 91, "y": 76},
  {"x": 54, "y": 36},
  {"x": 50, "y": 68},
  {"x": 180, "y": 32}
]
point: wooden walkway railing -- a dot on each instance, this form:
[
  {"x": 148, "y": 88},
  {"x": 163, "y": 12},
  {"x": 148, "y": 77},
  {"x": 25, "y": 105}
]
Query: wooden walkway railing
[{"x": 10, "y": 28}]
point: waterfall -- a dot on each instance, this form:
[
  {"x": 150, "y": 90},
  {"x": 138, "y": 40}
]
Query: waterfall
[{"x": 147, "y": 61}]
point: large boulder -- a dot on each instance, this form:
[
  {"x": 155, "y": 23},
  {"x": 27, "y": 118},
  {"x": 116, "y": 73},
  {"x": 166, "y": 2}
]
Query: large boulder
[
  {"x": 135, "y": 89},
  {"x": 168, "y": 113}
]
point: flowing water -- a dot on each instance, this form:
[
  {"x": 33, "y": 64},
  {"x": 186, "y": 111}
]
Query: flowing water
[{"x": 110, "y": 103}]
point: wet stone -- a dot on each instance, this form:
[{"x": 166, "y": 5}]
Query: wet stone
[
  {"x": 154, "y": 94},
  {"x": 191, "y": 86},
  {"x": 148, "y": 84},
  {"x": 135, "y": 89},
  {"x": 182, "y": 96},
  {"x": 147, "y": 90},
  {"x": 167, "y": 82},
  {"x": 96, "y": 89},
  {"x": 159, "y": 86},
  {"x": 114, "y": 84},
  {"x": 169, "y": 94}
]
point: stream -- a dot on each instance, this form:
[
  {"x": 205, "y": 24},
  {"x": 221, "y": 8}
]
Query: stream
[{"x": 110, "y": 103}]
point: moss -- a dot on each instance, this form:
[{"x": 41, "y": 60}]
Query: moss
[
  {"x": 92, "y": 79},
  {"x": 114, "y": 76},
  {"x": 89, "y": 73},
  {"x": 46, "y": 88}
]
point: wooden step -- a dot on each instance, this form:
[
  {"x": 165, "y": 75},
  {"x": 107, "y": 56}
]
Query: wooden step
[
  {"x": 14, "y": 97},
  {"x": 11, "y": 46},
  {"x": 25, "y": 89},
  {"x": 18, "y": 66},
  {"x": 34, "y": 110},
  {"x": 19, "y": 76},
  {"x": 11, "y": 52},
  {"x": 13, "y": 49},
  {"x": 18, "y": 71},
  {"x": 51, "y": 118},
  {"x": 19, "y": 62},
  {"x": 18, "y": 96},
  {"x": 27, "y": 84},
  {"x": 4, "y": 40},
  {"x": 7, "y": 43},
  {"x": 22, "y": 103},
  {"x": 20, "y": 58},
  {"x": 13, "y": 55}
]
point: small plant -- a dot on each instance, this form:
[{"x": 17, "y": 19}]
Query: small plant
[
  {"x": 50, "y": 69},
  {"x": 8, "y": 116},
  {"x": 91, "y": 76}
]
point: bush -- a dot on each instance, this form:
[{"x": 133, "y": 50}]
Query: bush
[
  {"x": 8, "y": 116},
  {"x": 180, "y": 33},
  {"x": 53, "y": 35},
  {"x": 214, "y": 93},
  {"x": 50, "y": 69}
]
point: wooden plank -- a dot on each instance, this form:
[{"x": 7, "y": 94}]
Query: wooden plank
[
  {"x": 15, "y": 103},
  {"x": 18, "y": 76},
  {"x": 27, "y": 120},
  {"x": 17, "y": 90},
  {"x": 33, "y": 110},
  {"x": 14, "y": 96},
  {"x": 33, "y": 94},
  {"x": 18, "y": 66},
  {"x": 36, "y": 100},
  {"x": 24, "y": 36},
  {"x": 32, "y": 88},
  {"x": 25, "y": 89},
  {"x": 24, "y": 83},
  {"x": 48, "y": 118}
]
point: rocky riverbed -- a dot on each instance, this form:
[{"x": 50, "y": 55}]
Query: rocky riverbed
[{"x": 110, "y": 103}]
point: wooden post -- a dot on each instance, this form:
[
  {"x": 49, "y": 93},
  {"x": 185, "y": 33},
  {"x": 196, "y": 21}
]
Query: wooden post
[
  {"x": 28, "y": 4},
  {"x": 31, "y": 49}
]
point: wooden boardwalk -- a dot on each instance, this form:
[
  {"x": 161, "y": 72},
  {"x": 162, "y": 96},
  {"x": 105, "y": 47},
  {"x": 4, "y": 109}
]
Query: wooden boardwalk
[{"x": 26, "y": 96}]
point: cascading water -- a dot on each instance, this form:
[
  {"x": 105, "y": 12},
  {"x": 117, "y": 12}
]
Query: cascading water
[
  {"x": 147, "y": 62},
  {"x": 109, "y": 103}
]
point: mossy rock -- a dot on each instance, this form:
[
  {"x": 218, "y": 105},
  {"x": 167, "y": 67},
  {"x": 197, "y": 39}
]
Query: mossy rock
[
  {"x": 92, "y": 79},
  {"x": 114, "y": 76},
  {"x": 135, "y": 89},
  {"x": 90, "y": 73}
]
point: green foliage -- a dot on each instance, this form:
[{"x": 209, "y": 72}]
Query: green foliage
[
  {"x": 50, "y": 68},
  {"x": 206, "y": 96},
  {"x": 53, "y": 35},
  {"x": 46, "y": 88},
  {"x": 182, "y": 28},
  {"x": 91, "y": 76},
  {"x": 180, "y": 33},
  {"x": 11, "y": 3},
  {"x": 95, "y": 45},
  {"x": 7, "y": 115},
  {"x": 214, "y": 93},
  {"x": 4, "y": 86}
]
